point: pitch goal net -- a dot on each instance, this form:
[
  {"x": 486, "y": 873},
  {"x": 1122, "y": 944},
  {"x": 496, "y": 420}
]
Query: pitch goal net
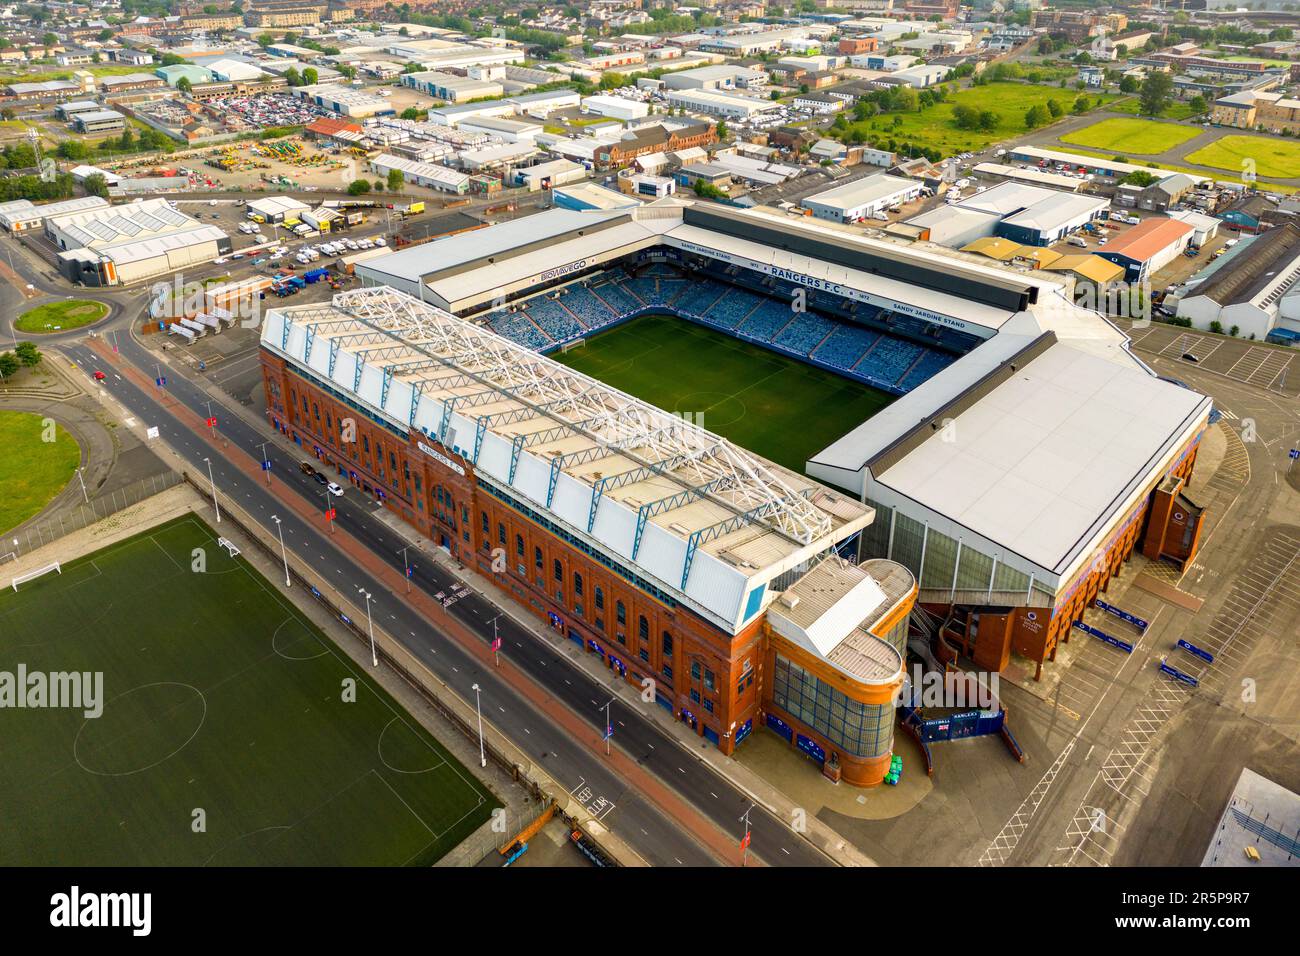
[{"x": 36, "y": 574}]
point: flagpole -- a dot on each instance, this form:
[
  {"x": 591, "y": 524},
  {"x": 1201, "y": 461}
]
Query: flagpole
[
  {"x": 744, "y": 841},
  {"x": 609, "y": 726}
]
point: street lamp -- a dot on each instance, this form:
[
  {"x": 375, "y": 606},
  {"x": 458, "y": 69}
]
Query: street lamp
[
  {"x": 83, "y": 485},
  {"x": 406, "y": 564},
  {"x": 609, "y": 726},
  {"x": 744, "y": 842},
  {"x": 213, "y": 482},
  {"x": 283, "y": 553},
  {"x": 374, "y": 655},
  {"x": 478, "y": 706},
  {"x": 266, "y": 462},
  {"x": 496, "y": 640}
]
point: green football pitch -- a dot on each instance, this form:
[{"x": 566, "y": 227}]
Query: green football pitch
[
  {"x": 778, "y": 407},
  {"x": 228, "y": 734}
]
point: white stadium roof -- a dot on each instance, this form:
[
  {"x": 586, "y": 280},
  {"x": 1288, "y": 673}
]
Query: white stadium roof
[{"x": 707, "y": 521}]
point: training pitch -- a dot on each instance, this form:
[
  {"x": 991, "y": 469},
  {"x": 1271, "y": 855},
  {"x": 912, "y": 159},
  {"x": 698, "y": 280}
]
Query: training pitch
[
  {"x": 227, "y": 737},
  {"x": 777, "y": 407}
]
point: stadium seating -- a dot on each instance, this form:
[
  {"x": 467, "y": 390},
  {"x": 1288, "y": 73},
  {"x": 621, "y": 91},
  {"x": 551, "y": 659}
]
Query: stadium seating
[
  {"x": 516, "y": 326},
  {"x": 803, "y": 334},
  {"x": 931, "y": 364},
  {"x": 645, "y": 288},
  {"x": 730, "y": 310},
  {"x": 698, "y": 297},
  {"x": 867, "y": 354},
  {"x": 591, "y": 310},
  {"x": 553, "y": 319},
  {"x": 618, "y": 298},
  {"x": 844, "y": 346},
  {"x": 767, "y": 320},
  {"x": 889, "y": 359}
]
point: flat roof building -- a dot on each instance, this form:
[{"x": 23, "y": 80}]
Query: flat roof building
[{"x": 862, "y": 199}]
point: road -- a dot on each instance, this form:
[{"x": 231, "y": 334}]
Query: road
[{"x": 649, "y": 828}]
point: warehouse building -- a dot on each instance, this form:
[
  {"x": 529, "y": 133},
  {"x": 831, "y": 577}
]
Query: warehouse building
[
  {"x": 1253, "y": 287},
  {"x": 450, "y": 87},
  {"x": 356, "y": 104},
  {"x": 117, "y": 245},
  {"x": 277, "y": 209},
  {"x": 1035, "y": 216},
  {"x": 429, "y": 175},
  {"x": 1148, "y": 247},
  {"x": 23, "y": 216},
  {"x": 715, "y": 103},
  {"x": 99, "y": 121},
  {"x": 862, "y": 199},
  {"x": 615, "y": 107}
]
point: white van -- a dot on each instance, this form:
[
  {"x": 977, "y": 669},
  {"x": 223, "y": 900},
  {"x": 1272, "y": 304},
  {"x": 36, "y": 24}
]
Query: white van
[{"x": 1078, "y": 241}]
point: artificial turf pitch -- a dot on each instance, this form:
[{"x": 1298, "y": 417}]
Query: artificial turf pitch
[
  {"x": 222, "y": 704},
  {"x": 777, "y": 407}
]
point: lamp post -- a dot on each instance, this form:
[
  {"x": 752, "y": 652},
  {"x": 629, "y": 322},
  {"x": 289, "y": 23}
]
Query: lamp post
[
  {"x": 83, "y": 485},
  {"x": 478, "y": 707},
  {"x": 406, "y": 564},
  {"x": 266, "y": 462},
  {"x": 213, "y": 482},
  {"x": 370, "y": 625},
  {"x": 283, "y": 553},
  {"x": 496, "y": 641},
  {"x": 609, "y": 725}
]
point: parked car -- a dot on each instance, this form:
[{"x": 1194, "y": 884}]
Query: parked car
[
  {"x": 99, "y": 376},
  {"x": 307, "y": 468},
  {"x": 320, "y": 479},
  {"x": 335, "y": 489}
]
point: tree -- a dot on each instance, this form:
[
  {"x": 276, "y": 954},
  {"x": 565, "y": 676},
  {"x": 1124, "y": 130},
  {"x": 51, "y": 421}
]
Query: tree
[
  {"x": 395, "y": 180},
  {"x": 722, "y": 129},
  {"x": 1197, "y": 105},
  {"x": 28, "y": 355},
  {"x": 183, "y": 85},
  {"x": 310, "y": 77},
  {"x": 1037, "y": 116},
  {"x": 358, "y": 187},
  {"x": 966, "y": 117},
  {"x": 1155, "y": 93},
  {"x": 264, "y": 40},
  {"x": 988, "y": 121},
  {"x": 8, "y": 364},
  {"x": 1139, "y": 177},
  {"x": 50, "y": 39},
  {"x": 95, "y": 185},
  {"x": 292, "y": 76},
  {"x": 1055, "y": 108}
]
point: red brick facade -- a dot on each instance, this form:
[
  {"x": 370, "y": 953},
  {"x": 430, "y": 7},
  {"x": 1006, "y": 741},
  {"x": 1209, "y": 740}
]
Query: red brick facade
[{"x": 710, "y": 680}]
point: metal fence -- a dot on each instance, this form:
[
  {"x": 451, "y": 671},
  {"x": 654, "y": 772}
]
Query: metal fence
[{"x": 19, "y": 542}]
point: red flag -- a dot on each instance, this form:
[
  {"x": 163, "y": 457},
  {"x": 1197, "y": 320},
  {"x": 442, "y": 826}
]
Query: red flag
[
  {"x": 744, "y": 841},
  {"x": 329, "y": 514}
]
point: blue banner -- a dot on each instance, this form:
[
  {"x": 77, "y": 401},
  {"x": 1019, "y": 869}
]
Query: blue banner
[
  {"x": 1193, "y": 649},
  {"x": 1133, "y": 619},
  {"x": 1124, "y": 646},
  {"x": 1179, "y": 675}
]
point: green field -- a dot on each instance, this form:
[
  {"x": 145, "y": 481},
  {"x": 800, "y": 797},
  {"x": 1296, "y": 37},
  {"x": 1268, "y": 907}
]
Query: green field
[
  {"x": 1146, "y": 137},
  {"x": 934, "y": 127},
  {"x": 1273, "y": 156},
  {"x": 775, "y": 406},
  {"x": 1176, "y": 110},
  {"x": 61, "y": 316},
  {"x": 32, "y": 471},
  {"x": 220, "y": 697}
]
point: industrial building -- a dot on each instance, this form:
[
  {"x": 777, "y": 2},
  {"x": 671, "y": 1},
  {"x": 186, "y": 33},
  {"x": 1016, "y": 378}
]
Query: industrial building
[
  {"x": 430, "y": 175},
  {"x": 22, "y": 216},
  {"x": 716, "y": 103},
  {"x": 1148, "y": 247},
  {"x": 118, "y": 245},
  {"x": 862, "y": 199},
  {"x": 1253, "y": 287},
  {"x": 277, "y": 209},
  {"x": 99, "y": 121},
  {"x": 615, "y": 107},
  {"x": 356, "y": 104},
  {"x": 450, "y": 87}
]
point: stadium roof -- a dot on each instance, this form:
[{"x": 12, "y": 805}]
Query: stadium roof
[
  {"x": 1051, "y": 444},
  {"x": 681, "y": 505}
]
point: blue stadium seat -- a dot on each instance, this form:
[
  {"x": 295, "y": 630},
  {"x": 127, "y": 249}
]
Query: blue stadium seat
[
  {"x": 767, "y": 320},
  {"x": 553, "y": 319},
  {"x": 845, "y": 346},
  {"x": 730, "y": 310},
  {"x": 591, "y": 310},
  {"x": 697, "y": 299},
  {"x": 931, "y": 364},
  {"x": 619, "y": 299},
  {"x": 516, "y": 327},
  {"x": 804, "y": 333},
  {"x": 889, "y": 359}
]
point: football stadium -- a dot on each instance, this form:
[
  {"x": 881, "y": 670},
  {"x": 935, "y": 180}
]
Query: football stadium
[{"x": 750, "y": 457}]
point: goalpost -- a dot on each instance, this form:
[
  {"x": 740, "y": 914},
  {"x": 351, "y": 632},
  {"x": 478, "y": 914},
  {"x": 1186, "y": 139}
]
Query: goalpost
[
  {"x": 570, "y": 346},
  {"x": 36, "y": 574}
]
